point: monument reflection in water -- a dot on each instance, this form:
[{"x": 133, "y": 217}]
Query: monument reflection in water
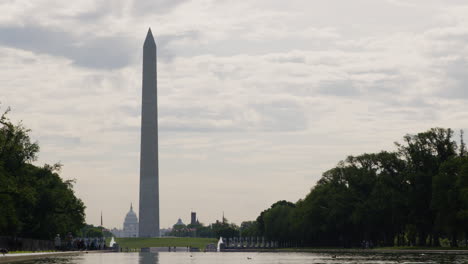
[{"x": 148, "y": 258}]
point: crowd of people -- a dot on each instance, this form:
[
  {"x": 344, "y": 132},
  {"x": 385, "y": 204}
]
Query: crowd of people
[{"x": 79, "y": 243}]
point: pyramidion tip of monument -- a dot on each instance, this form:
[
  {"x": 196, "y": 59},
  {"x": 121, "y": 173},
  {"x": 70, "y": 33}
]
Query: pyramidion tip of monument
[{"x": 149, "y": 37}]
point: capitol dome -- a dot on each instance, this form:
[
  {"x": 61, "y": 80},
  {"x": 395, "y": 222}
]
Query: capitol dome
[
  {"x": 131, "y": 217},
  {"x": 130, "y": 228}
]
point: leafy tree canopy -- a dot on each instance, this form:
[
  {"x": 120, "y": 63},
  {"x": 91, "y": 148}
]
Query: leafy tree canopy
[{"x": 36, "y": 202}]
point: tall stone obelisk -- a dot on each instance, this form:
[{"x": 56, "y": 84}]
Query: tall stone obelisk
[{"x": 149, "y": 169}]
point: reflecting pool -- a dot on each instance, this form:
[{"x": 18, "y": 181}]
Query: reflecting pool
[{"x": 251, "y": 258}]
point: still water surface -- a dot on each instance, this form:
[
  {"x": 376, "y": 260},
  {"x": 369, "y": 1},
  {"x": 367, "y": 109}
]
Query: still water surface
[{"x": 251, "y": 258}]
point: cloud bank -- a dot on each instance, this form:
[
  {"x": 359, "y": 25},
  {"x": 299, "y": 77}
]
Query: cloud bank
[{"x": 256, "y": 100}]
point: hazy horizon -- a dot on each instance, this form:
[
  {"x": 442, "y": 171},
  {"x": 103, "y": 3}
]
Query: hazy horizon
[{"x": 256, "y": 100}]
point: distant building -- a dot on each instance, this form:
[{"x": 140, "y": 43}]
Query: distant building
[
  {"x": 165, "y": 231},
  {"x": 179, "y": 229},
  {"x": 179, "y": 223},
  {"x": 193, "y": 218},
  {"x": 130, "y": 225},
  {"x": 116, "y": 232}
]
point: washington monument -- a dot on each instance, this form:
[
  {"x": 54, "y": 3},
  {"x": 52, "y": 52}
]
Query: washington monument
[{"x": 149, "y": 169}]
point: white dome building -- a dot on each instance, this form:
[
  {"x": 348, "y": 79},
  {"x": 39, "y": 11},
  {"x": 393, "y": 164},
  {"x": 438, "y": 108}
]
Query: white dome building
[{"x": 130, "y": 226}]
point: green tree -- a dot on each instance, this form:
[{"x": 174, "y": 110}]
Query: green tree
[
  {"x": 91, "y": 231},
  {"x": 249, "y": 229},
  {"x": 277, "y": 221},
  {"x": 424, "y": 153},
  {"x": 36, "y": 202},
  {"x": 225, "y": 229},
  {"x": 449, "y": 198},
  {"x": 412, "y": 196}
]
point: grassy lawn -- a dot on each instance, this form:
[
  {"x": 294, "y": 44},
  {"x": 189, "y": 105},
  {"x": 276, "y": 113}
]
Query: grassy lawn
[{"x": 165, "y": 242}]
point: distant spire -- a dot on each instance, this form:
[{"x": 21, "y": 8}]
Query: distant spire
[
  {"x": 131, "y": 207},
  {"x": 101, "y": 218}
]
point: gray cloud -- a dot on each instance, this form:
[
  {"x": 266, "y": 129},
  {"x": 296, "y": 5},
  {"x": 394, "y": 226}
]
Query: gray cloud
[
  {"x": 281, "y": 116},
  {"x": 165, "y": 51},
  {"x": 155, "y": 6},
  {"x": 273, "y": 115},
  {"x": 59, "y": 140},
  {"x": 457, "y": 86},
  {"x": 289, "y": 59},
  {"x": 339, "y": 88},
  {"x": 85, "y": 51}
]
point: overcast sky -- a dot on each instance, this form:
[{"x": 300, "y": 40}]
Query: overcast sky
[{"x": 256, "y": 98}]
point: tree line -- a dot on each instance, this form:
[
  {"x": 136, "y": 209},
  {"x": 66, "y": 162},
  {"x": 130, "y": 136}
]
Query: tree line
[
  {"x": 34, "y": 201},
  {"x": 414, "y": 196},
  {"x": 215, "y": 230}
]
